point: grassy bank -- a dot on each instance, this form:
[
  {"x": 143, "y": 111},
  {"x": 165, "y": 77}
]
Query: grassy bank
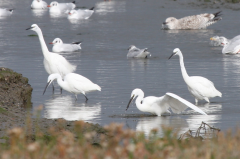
[{"x": 116, "y": 143}]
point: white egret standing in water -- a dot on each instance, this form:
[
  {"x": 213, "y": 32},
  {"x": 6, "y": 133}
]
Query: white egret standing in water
[
  {"x": 201, "y": 88},
  {"x": 161, "y": 105},
  {"x": 53, "y": 63},
  {"x": 74, "y": 83}
]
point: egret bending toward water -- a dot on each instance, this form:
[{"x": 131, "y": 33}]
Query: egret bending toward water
[
  {"x": 53, "y": 63},
  {"x": 200, "y": 87},
  {"x": 161, "y": 105},
  {"x": 74, "y": 83}
]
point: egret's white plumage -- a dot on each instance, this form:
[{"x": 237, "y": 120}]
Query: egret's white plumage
[
  {"x": 232, "y": 46},
  {"x": 74, "y": 83},
  {"x": 81, "y": 13},
  {"x": 53, "y": 63},
  {"x": 133, "y": 51},
  {"x": 38, "y": 4},
  {"x": 201, "y": 88},
  {"x": 4, "y": 12},
  {"x": 200, "y": 21},
  {"x": 161, "y": 105},
  {"x": 218, "y": 41},
  {"x": 59, "y": 46},
  {"x": 55, "y": 7}
]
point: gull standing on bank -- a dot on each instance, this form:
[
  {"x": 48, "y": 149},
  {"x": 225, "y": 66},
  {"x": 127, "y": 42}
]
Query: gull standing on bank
[
  {"x": 60, "y": 47},
  {"x": 133, "y": 51},
  {"x": 201, "y": 88},
  {"x": 201, "y": 21},
  {"x": 53, "y": 62},
  {"x": 161, "y": 105},
  {"x": 38, "y": 4},
  {"x": 74, "y": 83}
]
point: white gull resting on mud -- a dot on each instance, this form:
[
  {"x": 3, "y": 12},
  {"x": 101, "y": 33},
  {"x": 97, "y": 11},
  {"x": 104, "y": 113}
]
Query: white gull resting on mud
[
  {"x": 200, "y": 21},
  {"x": 218, "y": 41},
  {"x": 135, "y": 52},
  {"x": 59, "y": 46}
]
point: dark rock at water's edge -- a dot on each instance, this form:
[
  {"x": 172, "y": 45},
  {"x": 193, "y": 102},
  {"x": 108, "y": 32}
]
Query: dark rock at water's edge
[{"x": 14, "y": 89}]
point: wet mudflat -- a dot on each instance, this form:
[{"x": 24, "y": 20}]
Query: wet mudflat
[{"x": 106, "y": 37}]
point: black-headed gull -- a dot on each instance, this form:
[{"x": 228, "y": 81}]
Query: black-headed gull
[
  {"x": 56, "y": 7},
  {"x": 38, "y": 4},
  {"x": 59, "y": 46},
  {"x": 81, "y": 13},
  {"x": 135, "y": 52}
]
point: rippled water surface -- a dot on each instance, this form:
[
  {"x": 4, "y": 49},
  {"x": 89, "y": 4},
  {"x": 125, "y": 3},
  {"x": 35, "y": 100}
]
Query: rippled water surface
[{"x": 106, "y": 37}]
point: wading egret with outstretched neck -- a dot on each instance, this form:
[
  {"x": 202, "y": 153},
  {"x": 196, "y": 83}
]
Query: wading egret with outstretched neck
[
  {"x": 74, "y": 83},
  {"x": 161, "y": 105},
  {"x": 201, "y": 88},
  {"x": 53, "y": 63}
]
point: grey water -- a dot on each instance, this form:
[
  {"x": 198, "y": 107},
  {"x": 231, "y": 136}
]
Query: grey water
[{"x": 105, "y": 38}]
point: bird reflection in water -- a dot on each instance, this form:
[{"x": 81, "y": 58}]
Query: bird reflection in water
[
  {"x": 39, "y": 12},
  {"x": 147, "y": 124},
  {"x": 65, "y": 107}
]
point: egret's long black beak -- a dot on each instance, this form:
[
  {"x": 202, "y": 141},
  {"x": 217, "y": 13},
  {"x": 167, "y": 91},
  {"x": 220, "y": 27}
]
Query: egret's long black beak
[
  {"x": 46, "y": 86},
  {"x": 29, "y": 28},
  {"x": 172, "y": 55},
  {"x": 129, "y": 102}
]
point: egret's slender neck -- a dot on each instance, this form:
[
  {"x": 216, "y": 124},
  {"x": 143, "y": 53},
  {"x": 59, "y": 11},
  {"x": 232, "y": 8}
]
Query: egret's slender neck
[
  {"x": 43, "y": 44},
  {"x": 184, "y": 72},
  {"x": 61, "y": 83},
  {"x": 139, "y": 100}
]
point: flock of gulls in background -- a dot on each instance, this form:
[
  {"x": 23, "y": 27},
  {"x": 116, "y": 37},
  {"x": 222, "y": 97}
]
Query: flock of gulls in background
[{"x": 61, "y": 70}]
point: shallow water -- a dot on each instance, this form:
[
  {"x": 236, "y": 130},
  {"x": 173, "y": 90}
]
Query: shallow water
[{"x": 106, "y": 36}]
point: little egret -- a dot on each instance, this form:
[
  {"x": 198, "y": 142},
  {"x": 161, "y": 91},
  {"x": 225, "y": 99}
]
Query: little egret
[
  {"x": 56, "y": 7},
  {"x": 81, "y": 13},
  {"x": 161, "y": 105},
  {"x": 59, "y": 46},
  {"x": 38, "y": 4},
  {"x": 200, "y": 87},
  {"x": 53, "y": 63},
  {"x": 133, "y": 51},
  {"x": 73, "y": 83},
  {"x": 201, "y": 21}
]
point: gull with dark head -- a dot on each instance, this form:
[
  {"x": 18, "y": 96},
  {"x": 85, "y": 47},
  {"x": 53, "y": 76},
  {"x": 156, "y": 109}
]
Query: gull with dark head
[
  {"x": 200, "y": 87},
  {"x": 60, "y": 47},
  {"x": 201, "y": 21},
  {"x": 161, "y": 105}
]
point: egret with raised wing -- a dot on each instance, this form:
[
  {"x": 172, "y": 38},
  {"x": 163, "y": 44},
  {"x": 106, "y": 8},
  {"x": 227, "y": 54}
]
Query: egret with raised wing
[
  {"x": 161, "y": 105},
  {"x": 74, "y": 83},
  {"x": 53, "y": 62},
  {"x": 201, "y": 88}
]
